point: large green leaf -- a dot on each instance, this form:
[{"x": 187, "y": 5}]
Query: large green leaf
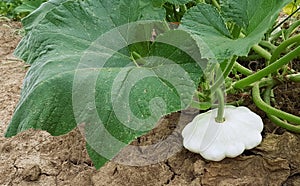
[
  {"x": 142, "y": 95},
  {"x": 255, "y": 17},
  {"x": 82, "y": 72}
]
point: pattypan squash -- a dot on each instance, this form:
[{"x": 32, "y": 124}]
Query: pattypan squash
[{"x": 214, "y": 141}]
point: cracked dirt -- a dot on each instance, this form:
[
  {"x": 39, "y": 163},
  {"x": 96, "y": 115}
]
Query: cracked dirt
[{"x": 38, "y": 159}]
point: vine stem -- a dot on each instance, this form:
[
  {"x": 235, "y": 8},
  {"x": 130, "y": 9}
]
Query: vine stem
[
  {"x": 242, "y": 69},
  {"x": 283, "y": 46},
  {"x": 267, "y": 70},
  {"x": 276, "y": 120},
  {"x": 225, "y": 74},
  {"x": 261, "y": 51},
  {"x": 221, "y": 105},
  {"x": 268, "y": 45},
  {"x": 258, "y": 49},
  {"x": 291, "y": 29},
  {"x": 137, "y": 59},
  {"x": 216, "y": 4},
  {"x": 294, "y": 77},
  {"x": 201, "y": 105},
  {"x": 284, "y": 124},
  {"x": 271, "y": 110}
]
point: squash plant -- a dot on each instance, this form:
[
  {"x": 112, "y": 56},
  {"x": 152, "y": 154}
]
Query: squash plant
[{"x": 115, "y": 67}]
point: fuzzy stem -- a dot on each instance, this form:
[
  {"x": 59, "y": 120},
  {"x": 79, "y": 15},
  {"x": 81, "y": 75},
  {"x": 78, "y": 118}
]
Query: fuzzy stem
[
  {"x": 275, "y": 36},
  {"x": 267, "y": 70},
  {"x": 225, "y": 74},
  {"x": 249, "y": 58},
  {"x": 220, "y": 117},
  {"x": 137, "y": 59},
  {"x": 294, "y": 77},
  {"x": 262, "y": 52},
  {"x": 275, "y": 119},
  {"x": 258, "y": 49},
  {"x": 271, "y": 110},
  {"x": 284, "y": 124},
  {"x": 291, "y": 29},
  {"x": 268, "y": 44},
  {"x": 242, "y": 69},
  {"x": 283, "y": 46},
  {"x": 201, "y": 105},
  {"x": 216, "y": 4}
]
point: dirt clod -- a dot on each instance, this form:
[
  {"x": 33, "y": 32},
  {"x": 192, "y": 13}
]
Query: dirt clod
[
  {"x": 246, "y": 171},
  {"x": 32, "y": 174}
]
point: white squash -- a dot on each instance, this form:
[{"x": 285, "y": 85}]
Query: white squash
[{"x": 214, "y": 141}]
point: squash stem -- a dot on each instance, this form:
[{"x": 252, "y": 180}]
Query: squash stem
[
  {"x": 137, "y": 59},
  {"x": 291, "y": 29},
  {"x": 243, "y": 70},
  {"x": 267, "y": 70},
  {"x": 226, "y": 72},
  {"x": 262, "y": 52},
  {"x": 294, "y": 77},
  {"x": 221, "y": 104},
  {"x": 216, "y": 4},
  {"x": 258, "y": 49},
  {"x": 283, "y": 46},
  {"x": 276, "y": 120},
  {"x": 269, "y": 110},
  {"x": 268, "y": 45}
]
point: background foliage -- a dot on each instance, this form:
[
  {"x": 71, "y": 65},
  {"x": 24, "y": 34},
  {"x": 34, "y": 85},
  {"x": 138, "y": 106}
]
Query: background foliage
[{"x": 17, "y": 9}]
